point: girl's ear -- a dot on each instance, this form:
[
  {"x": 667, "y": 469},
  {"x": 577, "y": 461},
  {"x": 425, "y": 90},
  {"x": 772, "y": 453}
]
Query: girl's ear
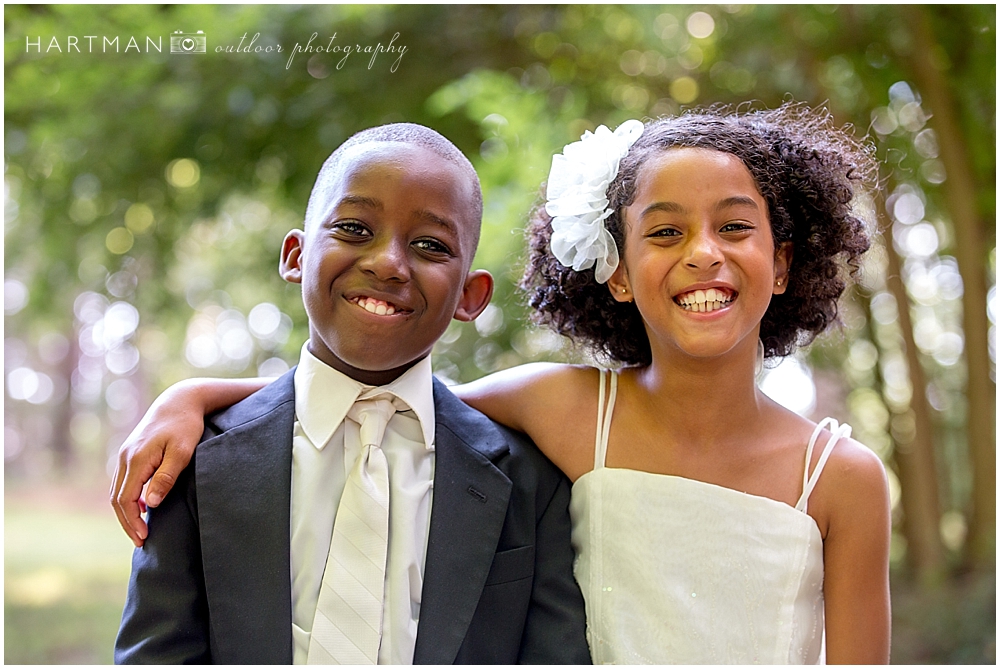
[
  {"x": 290, "y": 267},
  {"x": 619, "y": 286},
  {"x": 476, "y": 295},
  {"x": 782, "y": 262}
]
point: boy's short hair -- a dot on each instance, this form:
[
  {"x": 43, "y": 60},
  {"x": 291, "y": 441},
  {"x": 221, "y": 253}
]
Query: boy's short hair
[{"x": 406, "y": 133}]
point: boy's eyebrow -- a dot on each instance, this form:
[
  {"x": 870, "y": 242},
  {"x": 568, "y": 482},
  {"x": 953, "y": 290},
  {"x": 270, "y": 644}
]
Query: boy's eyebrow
[
  {"x": 434, "y": 218},
  {"x": 361, "y": 200},
  {"x": 422, "y": 213}
]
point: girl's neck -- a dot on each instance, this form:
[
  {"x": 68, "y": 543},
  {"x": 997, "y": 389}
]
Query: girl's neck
[{"x": 703, "y": 401}]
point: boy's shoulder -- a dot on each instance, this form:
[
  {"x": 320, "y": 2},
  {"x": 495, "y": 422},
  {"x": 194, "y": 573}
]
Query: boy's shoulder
[
  {"x": 511, "y": 451},
  {"x": 277, "y": 396}
]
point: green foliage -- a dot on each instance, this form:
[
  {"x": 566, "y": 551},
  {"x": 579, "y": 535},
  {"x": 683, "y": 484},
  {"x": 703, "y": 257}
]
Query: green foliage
[{"x": 167, "y": 181}]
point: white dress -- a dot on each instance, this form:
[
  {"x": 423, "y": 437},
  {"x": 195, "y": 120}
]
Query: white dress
[{"x": 678, "y": 571}]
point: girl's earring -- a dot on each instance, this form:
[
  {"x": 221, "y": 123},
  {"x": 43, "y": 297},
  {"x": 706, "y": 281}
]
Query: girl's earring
[{"x": 759, "y": 363}]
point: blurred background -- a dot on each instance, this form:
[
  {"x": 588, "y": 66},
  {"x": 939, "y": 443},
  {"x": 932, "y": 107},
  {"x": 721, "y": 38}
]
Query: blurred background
[{"x": 146, "y": 194}]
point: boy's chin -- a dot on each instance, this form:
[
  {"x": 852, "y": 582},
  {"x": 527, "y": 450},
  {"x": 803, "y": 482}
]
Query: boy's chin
[{"x": 372, "y": 370}]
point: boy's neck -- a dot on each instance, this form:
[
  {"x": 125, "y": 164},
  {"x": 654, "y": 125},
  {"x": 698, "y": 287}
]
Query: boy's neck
[{"x": 363, "y": 376}]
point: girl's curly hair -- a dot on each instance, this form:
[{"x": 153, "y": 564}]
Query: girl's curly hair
[{"x": 807, "y": 170}]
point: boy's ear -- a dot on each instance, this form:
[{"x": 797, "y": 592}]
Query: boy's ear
[
  {"x": 619, "y": 286},
  {"x": 290, "y": 267},
  {"x": 476, "y": 295},
  {"x": 782, "y": 262}
]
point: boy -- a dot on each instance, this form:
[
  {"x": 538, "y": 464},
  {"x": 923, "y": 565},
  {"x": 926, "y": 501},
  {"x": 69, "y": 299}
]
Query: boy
[{"x": 245, "y": 560}]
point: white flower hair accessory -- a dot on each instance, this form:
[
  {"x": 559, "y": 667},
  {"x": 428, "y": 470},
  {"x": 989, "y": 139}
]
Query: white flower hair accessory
[{"x": 577, "y": 198}]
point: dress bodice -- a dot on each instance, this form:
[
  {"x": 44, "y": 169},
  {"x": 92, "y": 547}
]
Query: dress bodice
[{"x": 678, "y": 571}]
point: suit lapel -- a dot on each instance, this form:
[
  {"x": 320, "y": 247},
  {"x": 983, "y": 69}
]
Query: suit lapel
[
  {"x": 244, "y": 495},
  {"x": 467, "y": 516}
]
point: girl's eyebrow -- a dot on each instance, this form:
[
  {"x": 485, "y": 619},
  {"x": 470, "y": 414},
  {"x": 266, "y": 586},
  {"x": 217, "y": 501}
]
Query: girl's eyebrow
[
  {"x": 736, "y": 201},
  {"x": 675, "y": 208},
  {"x": 667, "y": 207}
]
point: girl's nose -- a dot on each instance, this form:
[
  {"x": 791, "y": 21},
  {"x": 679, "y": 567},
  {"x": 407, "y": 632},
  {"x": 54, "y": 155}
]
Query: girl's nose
[
  {"x": 387, "y": 260},
  {"x": 703, "y": 252}
]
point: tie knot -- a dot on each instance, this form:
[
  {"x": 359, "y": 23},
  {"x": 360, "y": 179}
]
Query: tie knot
[{"x": 372, "y": 414}]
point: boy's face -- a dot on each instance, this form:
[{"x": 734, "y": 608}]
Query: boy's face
[{"x": 384, "y": 260}]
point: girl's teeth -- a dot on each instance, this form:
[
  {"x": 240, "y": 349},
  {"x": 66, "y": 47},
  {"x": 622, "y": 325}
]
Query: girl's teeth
[{"x": 703, "y": 301}]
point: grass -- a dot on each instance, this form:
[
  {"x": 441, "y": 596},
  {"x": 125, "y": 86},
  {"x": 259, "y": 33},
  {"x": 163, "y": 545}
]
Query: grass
[
  {"x": 67, "y": 563},
  {"x": 66, "y": 567}
]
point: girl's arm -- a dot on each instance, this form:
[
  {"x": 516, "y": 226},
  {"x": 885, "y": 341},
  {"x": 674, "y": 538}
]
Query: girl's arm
[
  {"x": 554, "y": 404},
  {"x": 856, "y": 557},
  {"x": 162, "y": 444}
]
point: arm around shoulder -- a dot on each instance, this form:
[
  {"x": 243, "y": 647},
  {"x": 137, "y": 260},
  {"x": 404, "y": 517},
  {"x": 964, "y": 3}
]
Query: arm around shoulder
[
  {"x": 162, "y": 443},
  {"x": 552, "y": 403},
  {"x": 856, "y": 557}
]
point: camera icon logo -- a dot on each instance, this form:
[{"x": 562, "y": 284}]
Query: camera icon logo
[{"x": 182, "y": 42}]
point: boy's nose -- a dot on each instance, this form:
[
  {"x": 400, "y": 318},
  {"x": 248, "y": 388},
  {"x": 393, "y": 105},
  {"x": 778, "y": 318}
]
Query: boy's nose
[{"x": 387, "y": 261}]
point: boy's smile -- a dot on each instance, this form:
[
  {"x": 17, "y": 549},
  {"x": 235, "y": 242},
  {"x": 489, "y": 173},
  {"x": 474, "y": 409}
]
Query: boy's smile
[{"x": 384, "y": 265}]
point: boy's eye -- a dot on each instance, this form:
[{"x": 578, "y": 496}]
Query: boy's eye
[
  {"x": 432, "y": 246},
  {"x": 352, "y": 229}
]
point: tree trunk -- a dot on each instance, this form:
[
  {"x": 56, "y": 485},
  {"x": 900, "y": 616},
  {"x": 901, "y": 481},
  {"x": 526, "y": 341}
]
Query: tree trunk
[
  {"x": 915, "y": 450},
  {"x": 62, "y": 439},
  {"x": 970, "y": 252}
]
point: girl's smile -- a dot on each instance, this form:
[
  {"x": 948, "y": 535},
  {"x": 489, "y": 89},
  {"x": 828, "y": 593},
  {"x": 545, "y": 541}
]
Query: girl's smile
[
  {"x": 699, "y": 235},
  {"x": 706, "y": 298}
]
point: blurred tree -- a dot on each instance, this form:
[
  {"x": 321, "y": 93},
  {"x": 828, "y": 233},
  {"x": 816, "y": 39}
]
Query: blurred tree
[
  {"x": 147, "y": 192},
  {"x": 914, "y": 436},
  {"x": 970, "y": 216}
]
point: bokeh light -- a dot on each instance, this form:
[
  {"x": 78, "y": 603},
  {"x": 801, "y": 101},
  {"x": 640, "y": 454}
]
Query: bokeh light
[{"x": 790, "y": 384}]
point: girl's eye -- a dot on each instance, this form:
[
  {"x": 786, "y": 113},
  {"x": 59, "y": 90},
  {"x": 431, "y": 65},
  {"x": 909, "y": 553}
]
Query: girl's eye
[
  {"x": 665, "y": 232},
  {"x": 736, "y": 226},
  {"x": 432, "y": 246}
]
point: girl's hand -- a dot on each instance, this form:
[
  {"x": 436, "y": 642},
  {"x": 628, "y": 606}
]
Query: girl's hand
[{"x": 161, "y": 445}]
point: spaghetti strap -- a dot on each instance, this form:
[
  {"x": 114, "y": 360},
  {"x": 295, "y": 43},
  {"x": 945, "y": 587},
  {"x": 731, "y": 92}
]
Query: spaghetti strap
[
  {"x": 604, "y": 417},
  {"x": 837, "y": 432}
]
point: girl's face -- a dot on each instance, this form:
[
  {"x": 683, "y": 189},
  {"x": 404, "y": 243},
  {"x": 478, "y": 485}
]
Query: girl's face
[{"x": 699, "y": 258}]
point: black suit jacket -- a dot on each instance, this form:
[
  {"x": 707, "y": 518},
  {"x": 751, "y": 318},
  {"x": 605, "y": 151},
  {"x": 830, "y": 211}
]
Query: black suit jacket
[{"x": 212, "y": 582}]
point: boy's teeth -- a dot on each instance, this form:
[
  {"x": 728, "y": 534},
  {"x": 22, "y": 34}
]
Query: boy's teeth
[{"x": 378, "y": 307}]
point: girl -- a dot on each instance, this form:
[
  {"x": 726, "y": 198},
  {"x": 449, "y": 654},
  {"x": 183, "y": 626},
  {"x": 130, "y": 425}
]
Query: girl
[{"x": 711, "y": 524}]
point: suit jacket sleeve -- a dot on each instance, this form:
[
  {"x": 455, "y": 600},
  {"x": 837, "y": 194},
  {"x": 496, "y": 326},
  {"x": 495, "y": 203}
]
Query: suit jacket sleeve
[
  {"x": 555, "y": 628},
  {"x": 165, "y": 620}
]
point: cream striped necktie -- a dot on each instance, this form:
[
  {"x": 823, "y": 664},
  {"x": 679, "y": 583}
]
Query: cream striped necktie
[{"x": 347, "y": 628}]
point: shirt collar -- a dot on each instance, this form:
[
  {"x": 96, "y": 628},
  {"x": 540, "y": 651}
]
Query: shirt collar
[{"x": 323, "y": 396}]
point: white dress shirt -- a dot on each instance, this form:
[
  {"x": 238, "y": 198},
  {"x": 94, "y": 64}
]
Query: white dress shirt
[{"x": 325, "y": 447}]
